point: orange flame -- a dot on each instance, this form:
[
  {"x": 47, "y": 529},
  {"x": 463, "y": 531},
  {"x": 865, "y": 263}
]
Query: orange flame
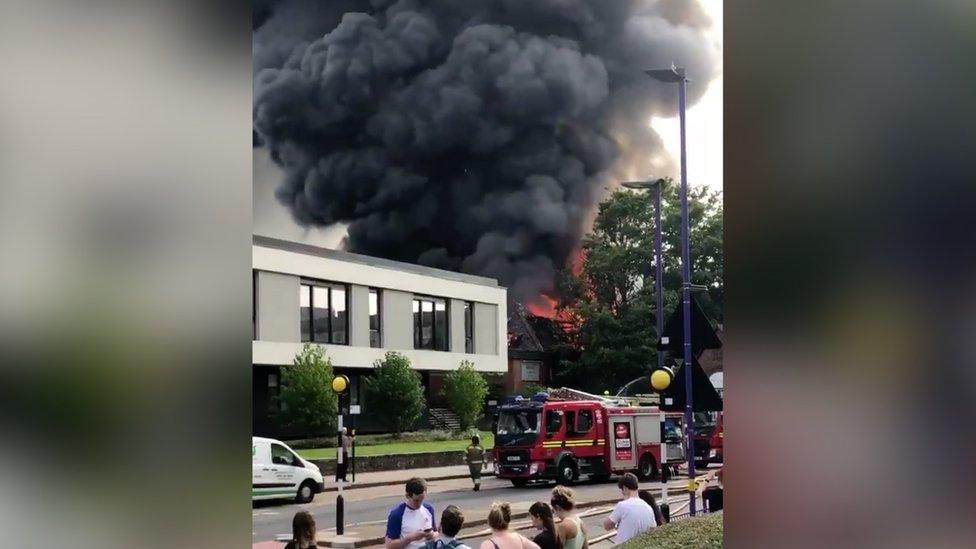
[{"x": 544, "y": 306}]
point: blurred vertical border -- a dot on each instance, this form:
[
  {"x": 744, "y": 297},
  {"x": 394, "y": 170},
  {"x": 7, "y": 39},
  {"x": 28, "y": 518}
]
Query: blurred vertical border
[
  {"x": 850, "y": 287},
  {"x": 125, "y": 223}
]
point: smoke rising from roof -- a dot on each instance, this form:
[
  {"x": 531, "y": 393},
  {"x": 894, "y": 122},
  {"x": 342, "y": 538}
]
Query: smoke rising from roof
[{"x": 472, "y": 136}]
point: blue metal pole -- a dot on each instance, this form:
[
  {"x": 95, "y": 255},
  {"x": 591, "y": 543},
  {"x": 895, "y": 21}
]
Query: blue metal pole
[
  {"x": 686, "y": 296},
  {"x": 659, "y": 271}
]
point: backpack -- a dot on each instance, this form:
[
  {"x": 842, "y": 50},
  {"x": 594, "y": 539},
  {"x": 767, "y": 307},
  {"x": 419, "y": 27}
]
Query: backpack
[{"x": 439, "y": 544}]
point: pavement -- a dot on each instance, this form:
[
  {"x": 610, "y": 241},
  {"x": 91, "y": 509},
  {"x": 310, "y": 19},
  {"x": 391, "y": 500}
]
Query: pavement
[
  {"x": 366, "y": 509},
  {"x": 383, "y": 478}
]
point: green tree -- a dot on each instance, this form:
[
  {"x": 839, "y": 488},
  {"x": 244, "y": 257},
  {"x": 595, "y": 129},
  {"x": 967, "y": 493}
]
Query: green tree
[
  {"x": 611, "y": 301},
  {"x": 394, "y": 392},
  {"x": 306, "y": 399},
  {"x": 465, "y": 390}
]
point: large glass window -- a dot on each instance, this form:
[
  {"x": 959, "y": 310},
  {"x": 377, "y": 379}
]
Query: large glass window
[
  {"x": 468, "y": 327},
  {"x": 337, "y": 300},
  {"x": 440, "y": 326},
  {"x": 416, "y": 324},
  {"x": 375, "y": 330},
  {"x": 430, "y": 323},
  {"x": 323, "y": 312},
  {"x": 305, "y": 306}
]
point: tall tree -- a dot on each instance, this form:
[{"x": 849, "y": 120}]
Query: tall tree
[
  {"x": 307, "y": 402},
  {"x": 611, "y": 300},
  {"x": 394, "y": 392},
  {"x": 466, "y": 389}
]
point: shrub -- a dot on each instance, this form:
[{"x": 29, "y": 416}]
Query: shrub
[
  {"x": 465, "y": 390},
  {"x": 306, "y": 401},
  {"x": 394, "y": 392},
  {"x": 702, "y": 532}
]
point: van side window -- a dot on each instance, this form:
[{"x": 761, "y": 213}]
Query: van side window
[
  {"x": 585, "y": 422},
  {"x": 281, "y": 456}
]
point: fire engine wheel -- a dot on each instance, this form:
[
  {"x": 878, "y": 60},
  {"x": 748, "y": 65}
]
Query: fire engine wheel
[
  {"x": 646, "y": 469},
  {"x": 566, "y": 471}
]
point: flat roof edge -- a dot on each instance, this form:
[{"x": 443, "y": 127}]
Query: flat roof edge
[{"x": 340, "y": 255}]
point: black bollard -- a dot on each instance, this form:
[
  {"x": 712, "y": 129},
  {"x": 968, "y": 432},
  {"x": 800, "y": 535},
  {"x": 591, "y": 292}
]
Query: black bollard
[{"x": 339, "y": 510}]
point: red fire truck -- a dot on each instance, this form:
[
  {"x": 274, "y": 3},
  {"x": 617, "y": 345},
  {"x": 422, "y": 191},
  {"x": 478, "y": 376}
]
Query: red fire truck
[{"x": 566, "y": 433}]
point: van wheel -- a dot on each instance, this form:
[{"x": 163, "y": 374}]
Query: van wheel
[
  {"x": 646, "y": 469},
  {"x": 305, "y": 492},
  {"x": 566, "y": 471}
]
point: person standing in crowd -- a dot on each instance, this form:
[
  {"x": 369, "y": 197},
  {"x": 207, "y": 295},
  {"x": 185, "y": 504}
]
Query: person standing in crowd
[
  {"x": 302, "y": 531},
  {"x": 475, "y": 457},
  {"x": 451, "y": 521},
  {"x": 542, "y": 519},
  {"x": 571, "y": 534},
  {"x": 411, "y": 523},
  {"x": 632, "y": 515},
  {"x": 649, "y": 499},
  {"x": 499, "y": 518}
]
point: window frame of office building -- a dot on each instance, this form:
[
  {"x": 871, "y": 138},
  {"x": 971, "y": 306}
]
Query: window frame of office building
[
  {"x": 469, "y": 326},
  {"x": 431, "y": 323},
  {"x": 254, "y": 305},
  {"x": 375, "y": 318},
  {"x": 324, "y": 323}
]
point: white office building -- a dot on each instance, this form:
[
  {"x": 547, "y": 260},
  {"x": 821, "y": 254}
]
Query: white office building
[{"x": 358, "y": 308}]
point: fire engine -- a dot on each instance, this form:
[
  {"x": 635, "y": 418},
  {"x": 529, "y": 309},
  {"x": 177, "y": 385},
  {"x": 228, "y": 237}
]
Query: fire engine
[{"x": 566, "y": 433}]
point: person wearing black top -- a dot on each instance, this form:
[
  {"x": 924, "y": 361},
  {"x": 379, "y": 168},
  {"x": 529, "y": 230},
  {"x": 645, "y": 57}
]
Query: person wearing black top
[{"x": 541, "y": 515}]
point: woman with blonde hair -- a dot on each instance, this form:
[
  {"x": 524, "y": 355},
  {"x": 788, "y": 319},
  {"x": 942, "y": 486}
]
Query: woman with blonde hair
[
  {"x": 499, "y": 518},
  {"x": 570, "y": 532}
]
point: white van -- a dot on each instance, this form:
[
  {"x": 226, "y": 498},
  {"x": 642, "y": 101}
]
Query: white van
[{"x": 278, "y": 472}]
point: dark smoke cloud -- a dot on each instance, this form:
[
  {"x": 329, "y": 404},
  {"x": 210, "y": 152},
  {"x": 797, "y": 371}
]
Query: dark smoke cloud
[{"x": 471, "y": 136}]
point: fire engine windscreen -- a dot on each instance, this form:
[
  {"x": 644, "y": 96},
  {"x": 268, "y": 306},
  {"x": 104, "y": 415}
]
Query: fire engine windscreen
[{"x": 517, "y": 427}]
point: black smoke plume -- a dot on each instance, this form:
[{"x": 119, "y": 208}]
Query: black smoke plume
[{"x": 471, "y": 135}]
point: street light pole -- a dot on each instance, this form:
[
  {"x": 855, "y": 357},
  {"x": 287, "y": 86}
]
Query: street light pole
[
  {"x": 677, "y": 75},
  {"x": 686, "y": 300},
  {"x": 340, "y": 384},
  {"x": 659, "y": 289}
]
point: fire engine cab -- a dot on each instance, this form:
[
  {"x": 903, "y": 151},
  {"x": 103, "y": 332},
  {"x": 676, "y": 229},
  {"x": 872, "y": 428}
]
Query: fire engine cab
[{"x": 566, "y": 433}]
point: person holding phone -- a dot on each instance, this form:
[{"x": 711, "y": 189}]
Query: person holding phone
[{"x": 411, "y": 524}]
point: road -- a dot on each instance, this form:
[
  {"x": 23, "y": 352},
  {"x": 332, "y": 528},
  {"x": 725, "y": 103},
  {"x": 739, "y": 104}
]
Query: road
[{"x": 368, "y": 507}]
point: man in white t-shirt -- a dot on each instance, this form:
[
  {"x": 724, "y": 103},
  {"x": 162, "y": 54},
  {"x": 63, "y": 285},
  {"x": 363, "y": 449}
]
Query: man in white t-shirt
[
  {"x": 411, "y": 524},
  {"x": 632, "y": 516}
]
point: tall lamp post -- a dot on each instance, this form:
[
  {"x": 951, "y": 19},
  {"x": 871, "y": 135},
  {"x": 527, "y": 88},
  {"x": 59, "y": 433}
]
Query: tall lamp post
[
  {"x": 340, "y": 385},
  {"x": 657, "y": 382},
  {"x": 658, "y": 265},
  {"x": 677, "y": 75}
]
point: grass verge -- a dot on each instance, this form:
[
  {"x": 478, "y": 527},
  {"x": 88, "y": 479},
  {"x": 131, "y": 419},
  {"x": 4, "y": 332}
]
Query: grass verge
[
  {"x": 704, "y": 532},
  {"x": 383, "y": 448}
]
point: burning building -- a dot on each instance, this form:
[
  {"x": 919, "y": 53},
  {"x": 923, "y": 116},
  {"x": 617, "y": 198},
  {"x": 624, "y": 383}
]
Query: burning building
[{"x": 469, "y": 136}]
